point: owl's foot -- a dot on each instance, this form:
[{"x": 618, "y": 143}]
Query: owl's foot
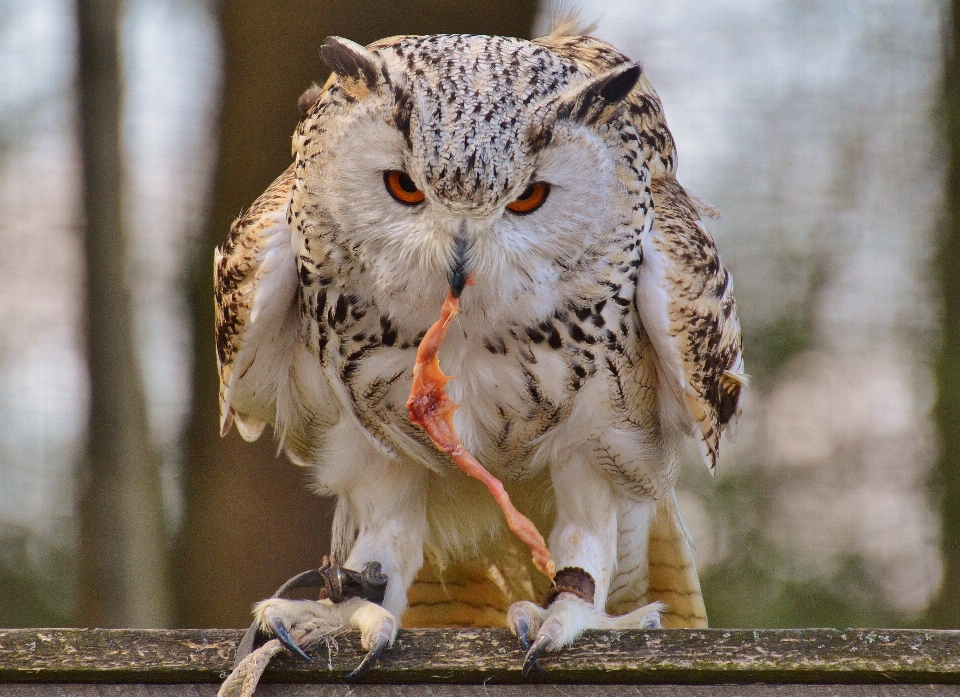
[
  {"x": 299, "y": 624},
  {"x": 347, "y": 599},
  {"x": 570, "y": 610}
]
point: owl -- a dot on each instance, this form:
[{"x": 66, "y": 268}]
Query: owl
[{"x": 535, "y": 181}]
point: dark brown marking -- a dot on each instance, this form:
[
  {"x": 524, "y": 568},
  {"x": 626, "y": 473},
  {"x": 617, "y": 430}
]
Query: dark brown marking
[{"x": 571, "y": 579}]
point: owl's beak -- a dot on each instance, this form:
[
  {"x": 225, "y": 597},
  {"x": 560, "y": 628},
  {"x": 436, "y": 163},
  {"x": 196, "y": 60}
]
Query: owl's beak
[
  {"x": 458, "y": 279},
  {"x": 459, "y": 276}
]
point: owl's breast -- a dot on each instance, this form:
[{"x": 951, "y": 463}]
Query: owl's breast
[
  {"x": 527, "y": 404},
  {"x": 506, "y": 405},
  {"x": 524, "y": 390},
  {"x": 527, "y": 388}
]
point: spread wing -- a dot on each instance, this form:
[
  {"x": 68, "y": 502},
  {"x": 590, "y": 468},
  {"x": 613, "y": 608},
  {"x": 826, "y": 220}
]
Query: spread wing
[
  {"x": 255, "y": 280},
  {"x": 684, "y": 295}
]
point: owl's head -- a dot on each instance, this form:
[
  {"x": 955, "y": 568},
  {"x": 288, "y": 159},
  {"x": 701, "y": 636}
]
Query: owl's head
[{"x": 434, "y": 159}]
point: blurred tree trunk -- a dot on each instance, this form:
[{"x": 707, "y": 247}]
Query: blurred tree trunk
[
  {"x": 250, "y": 521},
  {"x": 945, "y": 612},
  {"x": 122, "y": 550}
]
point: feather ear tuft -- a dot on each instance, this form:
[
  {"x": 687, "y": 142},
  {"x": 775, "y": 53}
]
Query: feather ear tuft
[
  {"x": 618, "y": 85},
  {"x": 308, "y": 98},
  {"x": 590, "y": 102},
  {"x": 356, "y": 67}
]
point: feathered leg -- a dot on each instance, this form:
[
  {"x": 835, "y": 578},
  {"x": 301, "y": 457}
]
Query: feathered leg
[
  {"x": 384, "y": 502},
  {"x": 584, "y": 546}
]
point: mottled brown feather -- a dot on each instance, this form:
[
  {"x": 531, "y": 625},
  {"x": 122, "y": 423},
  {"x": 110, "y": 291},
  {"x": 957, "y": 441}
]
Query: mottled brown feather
[
  {"x": 702, "y": 312},
  {"x": 236, "y": 269}
]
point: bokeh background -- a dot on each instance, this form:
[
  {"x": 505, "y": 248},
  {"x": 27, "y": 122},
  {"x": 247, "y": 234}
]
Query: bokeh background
[{"x": 132, "y": 133}]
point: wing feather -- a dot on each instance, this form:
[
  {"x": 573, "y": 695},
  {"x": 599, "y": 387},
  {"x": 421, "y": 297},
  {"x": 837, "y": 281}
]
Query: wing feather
[
  {"x": 684, "y": 295},
  {"x": 255, "y": 281},
  {"x": 686, "y": 304}
]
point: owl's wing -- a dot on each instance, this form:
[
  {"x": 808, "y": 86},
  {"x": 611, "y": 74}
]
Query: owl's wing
[
  {"x": 684, "y": 294},
  {"x": 685, "y": 300},
  {"x": 255, "y": 280}
]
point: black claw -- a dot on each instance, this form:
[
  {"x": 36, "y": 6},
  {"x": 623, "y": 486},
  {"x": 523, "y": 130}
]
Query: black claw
[
  {"x": 536, "y": 668},
  {"x": 521, "y": 627},
  {"x": 253, "y": 638},
  {"x": 278, "y": 628},
  {"x": 338, "y": 583},
  {"x": 531, "y": 661},
  {"x": 372, "y": 656}
]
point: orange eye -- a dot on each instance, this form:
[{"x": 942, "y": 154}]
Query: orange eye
[
  {"x": 531, "y": 198},
  {"x": 402, "y": 188}
]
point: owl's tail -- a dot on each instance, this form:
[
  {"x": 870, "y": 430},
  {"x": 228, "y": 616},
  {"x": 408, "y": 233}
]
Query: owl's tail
[
  {"x": 473, "y": 593},
  {"x": 666, "y": 575},
  {"x": 673, "y": 575},
  {"x": 478, "y": 592}
]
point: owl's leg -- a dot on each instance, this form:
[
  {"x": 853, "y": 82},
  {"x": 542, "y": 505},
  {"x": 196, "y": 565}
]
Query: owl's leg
[
  {"x": 583, "y": 544},
  {"x": 385, "y": 502}
]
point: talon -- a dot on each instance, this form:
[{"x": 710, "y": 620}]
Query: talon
[
  {"x": 532, "y": 658},
  {"x": 372, "y": 656},
  {"x": 311, "y": 578},
  {"x": 280, "y": 629},
  {"x": 520, "y": 628}
]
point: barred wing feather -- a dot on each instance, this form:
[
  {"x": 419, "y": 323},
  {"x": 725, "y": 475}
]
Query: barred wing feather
[
  {"x": 255, "y": 279},
  {"x": 685, "y": 300}
]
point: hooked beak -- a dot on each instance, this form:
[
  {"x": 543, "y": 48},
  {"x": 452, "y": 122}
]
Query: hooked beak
[{"x": 458, "y": 275}]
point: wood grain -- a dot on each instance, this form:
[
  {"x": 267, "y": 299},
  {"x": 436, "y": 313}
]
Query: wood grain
[
  {"x": 437, "y": 656},
  {"x": 422, "y": 690}
]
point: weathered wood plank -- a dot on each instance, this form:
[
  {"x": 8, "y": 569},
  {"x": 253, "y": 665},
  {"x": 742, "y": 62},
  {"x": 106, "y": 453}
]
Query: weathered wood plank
[
  {"x": 422, "y": 690},
  {"x": 683, "y": 657}
]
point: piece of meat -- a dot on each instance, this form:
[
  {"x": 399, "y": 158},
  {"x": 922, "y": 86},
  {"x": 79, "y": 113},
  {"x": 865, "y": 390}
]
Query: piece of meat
[{"x": 431, "y": 409}]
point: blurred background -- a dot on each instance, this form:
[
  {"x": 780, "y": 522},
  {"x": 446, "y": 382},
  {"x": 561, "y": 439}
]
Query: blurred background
[{"x": 132, "y": 133}]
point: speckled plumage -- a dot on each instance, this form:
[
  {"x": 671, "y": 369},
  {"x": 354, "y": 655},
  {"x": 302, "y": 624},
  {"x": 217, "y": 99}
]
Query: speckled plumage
[{"x": 601, "y": 329}]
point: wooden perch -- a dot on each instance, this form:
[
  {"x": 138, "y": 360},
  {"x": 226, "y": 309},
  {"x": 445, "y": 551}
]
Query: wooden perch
[{"x": 35, "y": 661}]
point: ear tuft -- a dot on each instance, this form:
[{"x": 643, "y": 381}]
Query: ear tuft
[
  {"x": 352, "y": 63},
  {"x": 308, "y": 98},
  {"x": 590, "y": 102},
  {"x": 618, "y": 85}
]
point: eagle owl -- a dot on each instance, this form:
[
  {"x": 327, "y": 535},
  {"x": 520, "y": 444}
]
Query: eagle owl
[{"x": 536, "y": 181}]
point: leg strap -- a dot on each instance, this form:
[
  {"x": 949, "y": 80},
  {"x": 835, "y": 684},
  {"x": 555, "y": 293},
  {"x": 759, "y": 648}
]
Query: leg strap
[
  {"x": 571, "y": 579},
  {"x": 335, "y": 583}
]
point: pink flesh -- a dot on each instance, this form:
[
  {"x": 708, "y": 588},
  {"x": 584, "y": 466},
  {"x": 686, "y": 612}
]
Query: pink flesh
[{"x": 431, "y": 409}]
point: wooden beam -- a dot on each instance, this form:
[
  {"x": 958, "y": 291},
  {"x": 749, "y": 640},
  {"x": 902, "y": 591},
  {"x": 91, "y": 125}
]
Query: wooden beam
[
  {"x": 427, "y": 690},
  {"x": 669, "y": 656}
]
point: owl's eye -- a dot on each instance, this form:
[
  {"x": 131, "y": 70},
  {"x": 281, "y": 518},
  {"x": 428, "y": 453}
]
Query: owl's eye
[
  {"x": 401, "y": 187},
  {"x": 531, "y": 199}
]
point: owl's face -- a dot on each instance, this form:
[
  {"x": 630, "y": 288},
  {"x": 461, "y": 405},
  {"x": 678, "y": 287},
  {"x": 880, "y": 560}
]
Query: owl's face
[{"x": 445, "y": 158}]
